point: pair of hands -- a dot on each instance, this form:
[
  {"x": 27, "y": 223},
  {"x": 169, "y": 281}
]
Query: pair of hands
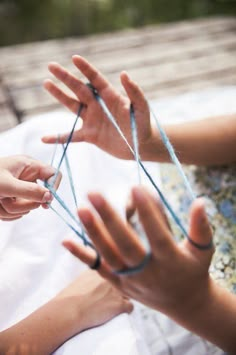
[
  {"x": 19, "y": 192},
  {"x": 176, "y": 274}
]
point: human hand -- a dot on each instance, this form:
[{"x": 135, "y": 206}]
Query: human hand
[
  {"x": 94, "y": 300},
  {"x": 97, "y": 128},
  {"x": 19, "y": 192},
  {"x": 175, "y": 281}
]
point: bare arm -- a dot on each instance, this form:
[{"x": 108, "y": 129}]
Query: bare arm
[
  {"x": 215, "y": 320},
  {"x": 42, "y": 332},
  {"x": 211, "y": 141},
  {"x": 205, "y": 142},
  {"x": 88, "y": 302}
]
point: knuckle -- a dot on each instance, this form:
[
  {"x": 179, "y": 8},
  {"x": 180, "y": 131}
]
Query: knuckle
[{"x": 8, "y": 206}]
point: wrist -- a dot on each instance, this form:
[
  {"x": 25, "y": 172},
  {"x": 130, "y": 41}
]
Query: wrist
[
  {"x": 214, "y": 307},
  {"x": 153, "y": 148}
]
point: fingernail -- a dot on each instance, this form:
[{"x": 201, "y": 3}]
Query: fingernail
[
  {"x": 45, "y": 206},
  {"x": 96, "y": 200},
  {"x": 47, "y": 197},
  {"x": 85, "y": 217}
]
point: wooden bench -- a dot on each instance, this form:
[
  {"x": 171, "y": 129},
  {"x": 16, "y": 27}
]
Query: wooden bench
[{"x": 165, "y": 60}]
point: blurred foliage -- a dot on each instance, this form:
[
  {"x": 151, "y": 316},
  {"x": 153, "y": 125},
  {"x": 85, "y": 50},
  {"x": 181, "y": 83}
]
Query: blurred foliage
[{"x": 29, "y": 20}]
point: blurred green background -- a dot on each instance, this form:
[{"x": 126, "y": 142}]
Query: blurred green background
[{"x": 29, "y": 20}]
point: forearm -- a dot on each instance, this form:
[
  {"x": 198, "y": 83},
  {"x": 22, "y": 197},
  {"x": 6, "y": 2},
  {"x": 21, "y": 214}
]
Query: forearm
[
  {"x": 215, "y": 319},
  {"x": 210, "y": 141},
  {"x": 42, "y": 332}
]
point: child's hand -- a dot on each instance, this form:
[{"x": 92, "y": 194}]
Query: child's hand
[
  {"x": 96, "y": 128},
  {"x": 19, "y": 192},
  {"x": 93, "y": 300},
  {"x": 175, "y": 281}
]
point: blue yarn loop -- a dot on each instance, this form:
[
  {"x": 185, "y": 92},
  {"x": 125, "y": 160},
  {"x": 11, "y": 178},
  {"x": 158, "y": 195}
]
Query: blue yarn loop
[
  {"x": 161, "y": 195},
  {"x": 135, "y": 269},
  {"x": 81, "y": 232},
  {"x": 134, "y": 133},
  {"x": 135, "y": 152},
  {"x": 172, "y": 154}
]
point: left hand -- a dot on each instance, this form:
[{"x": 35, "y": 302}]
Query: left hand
[
  {"x": 97, "y": 128},
  {"x": 175, "y": 281},
  {"x": 19, "y": 191}
]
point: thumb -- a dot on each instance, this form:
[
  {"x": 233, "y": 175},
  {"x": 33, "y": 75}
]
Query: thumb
[
  {"x": 200, "y": 229},
  {"x": 27, "y": 190}
]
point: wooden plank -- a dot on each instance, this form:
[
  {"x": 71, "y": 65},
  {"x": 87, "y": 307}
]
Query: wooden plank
[
  {"x": 130, "y": 58},
  {"x": 184, "y": 87},
  {"x": 164, "y": 60},
  {"x": 38, "y": 52},
  {"x": 148, "y": 77}
]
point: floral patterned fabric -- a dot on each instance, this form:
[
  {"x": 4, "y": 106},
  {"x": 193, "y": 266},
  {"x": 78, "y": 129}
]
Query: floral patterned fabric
[{"x": 218, "y": 187}]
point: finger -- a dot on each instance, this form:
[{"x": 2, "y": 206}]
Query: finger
[
  {"x": 88, "y": 256},
  {"x": 66, "y": 100},
  {"x": 35, "y": 170},
  {"x": 78, "y": 136},
  {"x": 107, "y": 92},
  {"x": 131, "y": 209},
  {"x": 18, "y": 206},
  {"x": 5, "y": 215},
  {"x": 91, "y": 73},
  {"x": 134, "y": 93},
  {"x": 101, "y": 239},
  {"x": 77, "y": 86},
  {"x": 153, "y": 223},
  {"x": 51, "y": 179},
  {"x": 129, "y": 246},
  {"x": 128, "y": 307},
  {"x": 10, "y": 219},
  {"x": 27, "y": 190},
  {"x": 200, "y": 230}
]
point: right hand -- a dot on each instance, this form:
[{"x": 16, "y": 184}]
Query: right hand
[
  {"x": 97, "y": 128},
  {"x": 94, "y": 300},
  {"x": 19, "y": 191}
]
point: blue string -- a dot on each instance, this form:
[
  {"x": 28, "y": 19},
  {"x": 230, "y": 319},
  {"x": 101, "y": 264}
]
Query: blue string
[
  {"x": 68, "y": 141},
  {"x": 68, "y": 168},
  {"x": 135, "y": 153},
  {"x": 135, "y": 139},
  {"x": 173, "y": 156},
  {"x": 135, "y": 269},
  {"x": 72, "y": 186},
  {"x": 162, "y": 197},
  {"x": 64, "y": 156}
]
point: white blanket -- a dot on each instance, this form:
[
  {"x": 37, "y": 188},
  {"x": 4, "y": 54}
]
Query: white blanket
[{"x": 34, "y": 266}]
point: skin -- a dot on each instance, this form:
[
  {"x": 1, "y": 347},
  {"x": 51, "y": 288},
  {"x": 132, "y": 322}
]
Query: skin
[
  {"x": 194, "y": 142},
  {"x": 176, "y": 280},
  {"x": 19, "y": 192},
  {"x": 88, "y": 302},
  {"x": 189, "y": 296}
]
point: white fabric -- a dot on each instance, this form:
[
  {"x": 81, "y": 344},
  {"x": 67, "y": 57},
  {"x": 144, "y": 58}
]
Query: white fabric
[{"x": 34, "y": 266}]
